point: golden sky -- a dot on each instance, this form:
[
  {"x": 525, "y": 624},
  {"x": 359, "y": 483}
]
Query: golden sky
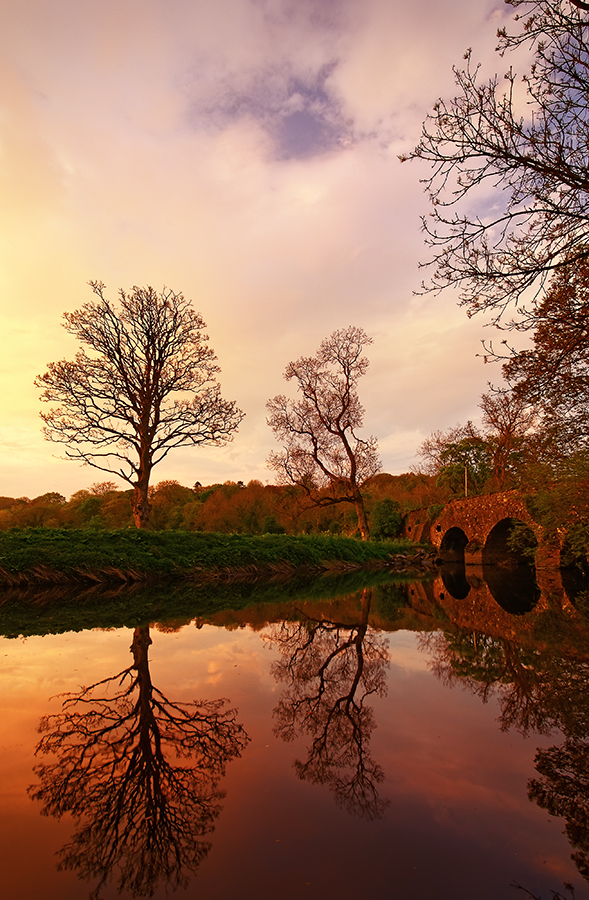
[{"x": 243, "y": 152}]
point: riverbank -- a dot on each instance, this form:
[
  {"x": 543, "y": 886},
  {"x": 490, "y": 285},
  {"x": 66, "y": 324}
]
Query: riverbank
[{"x": 67, "y": 555}]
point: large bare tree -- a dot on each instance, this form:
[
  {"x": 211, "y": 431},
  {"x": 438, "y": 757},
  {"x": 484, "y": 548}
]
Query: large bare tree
[
  {"x": 139, "y": 775},
  {"x": 147, "y": 386},
  {"x": 322, "y": 452},
  {"x": 509, "y": 182}
]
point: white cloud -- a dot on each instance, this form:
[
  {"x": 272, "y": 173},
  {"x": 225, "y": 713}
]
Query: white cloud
[{"x": 159, "y": 143}]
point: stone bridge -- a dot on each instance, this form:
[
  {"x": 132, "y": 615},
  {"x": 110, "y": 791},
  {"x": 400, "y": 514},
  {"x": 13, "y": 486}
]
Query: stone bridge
[{"x": 476, "y": 530}]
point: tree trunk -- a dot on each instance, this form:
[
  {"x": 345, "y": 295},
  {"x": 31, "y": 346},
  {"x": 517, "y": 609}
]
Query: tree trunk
[
  {"x": 362, "y": 520},
  {"x": 141, "y": 506}
]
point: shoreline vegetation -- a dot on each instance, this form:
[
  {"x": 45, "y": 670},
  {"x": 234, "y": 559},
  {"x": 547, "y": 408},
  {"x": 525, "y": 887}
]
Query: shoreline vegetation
[{"x": 53, "y": 556}]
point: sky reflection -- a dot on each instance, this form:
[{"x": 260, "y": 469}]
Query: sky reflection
[{"x": 457, "y": 819}]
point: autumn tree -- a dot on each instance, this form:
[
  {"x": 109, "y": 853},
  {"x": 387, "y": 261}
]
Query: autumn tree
[
  {"x": 322, "y": 451},
  {"x": 509, "y": 182},
  {"x": 147, "y": 386},
  {"x": 458, "y": 457},
  {"x": 139, "y": 774},
  {"x": 553, "y": 373}
]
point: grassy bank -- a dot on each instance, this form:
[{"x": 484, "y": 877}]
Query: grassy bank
[{"x": 53, "y": 555}]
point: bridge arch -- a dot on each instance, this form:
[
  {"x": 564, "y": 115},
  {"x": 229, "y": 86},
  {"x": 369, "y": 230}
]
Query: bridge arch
[
  {"x": 499, "y": 549},
  {"x": 453, "y": 544}
]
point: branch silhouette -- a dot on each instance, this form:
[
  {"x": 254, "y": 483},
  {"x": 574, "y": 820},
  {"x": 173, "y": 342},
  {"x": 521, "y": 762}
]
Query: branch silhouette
[
  {"x": 139, "y": 774},
  {"x": 330, "y": 668}
]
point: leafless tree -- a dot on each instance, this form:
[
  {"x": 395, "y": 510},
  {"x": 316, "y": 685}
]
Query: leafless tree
[
  {"x": 139, "y": 775},
  {"x": 526, "y": 144},
  {"x": 322, "y": 452},
  {"x": 148, "y": 387},
  {"x": 330, "y": 669}
]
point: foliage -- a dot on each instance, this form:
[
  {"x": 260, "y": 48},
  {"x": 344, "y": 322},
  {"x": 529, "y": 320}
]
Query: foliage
[
  {"x": 562, "y": 506},
  {"x": 232, "y": 507},
  {"x": 521, "y": 151},
  {"x": 148, "y": 387},
  {"x": 495, "y": 457},
  {"x": 387, "y": 521},
  {"x": 167, "y": 553},
  {"x": 554, "y": 372},
  {"x": 322, "y": 452}
]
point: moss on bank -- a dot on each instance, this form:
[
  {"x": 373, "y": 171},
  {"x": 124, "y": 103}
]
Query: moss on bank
[{"x": 43, "y": 555}]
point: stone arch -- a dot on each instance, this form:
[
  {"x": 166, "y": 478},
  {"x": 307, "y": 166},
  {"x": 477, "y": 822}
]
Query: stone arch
[
  {"x": 453, "y": 543},
  {"x": 496, "y": 549}
]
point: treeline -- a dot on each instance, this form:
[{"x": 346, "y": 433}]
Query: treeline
[{"x": 229, "y": 508}]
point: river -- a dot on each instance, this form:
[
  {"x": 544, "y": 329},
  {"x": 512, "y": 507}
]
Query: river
[{"x": 384, "y": 740}]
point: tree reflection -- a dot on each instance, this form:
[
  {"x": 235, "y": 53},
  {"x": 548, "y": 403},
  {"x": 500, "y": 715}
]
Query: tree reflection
[
  {"x": 539, "y": 690},
  {"x": 330, "y": 668},
  {"x": 141, "y": 813}
]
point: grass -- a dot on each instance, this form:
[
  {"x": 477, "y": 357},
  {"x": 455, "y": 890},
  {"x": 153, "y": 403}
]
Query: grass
[{"x": 68, "y": 554}]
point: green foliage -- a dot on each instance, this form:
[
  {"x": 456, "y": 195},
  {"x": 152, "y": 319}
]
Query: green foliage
[
  {"x": 471, "y": 453},
  {"x": 387, "y": 520},
  {"x": 522, "y": 540},
  {"x": 179, "y": 553}
]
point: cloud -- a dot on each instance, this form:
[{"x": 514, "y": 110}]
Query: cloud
[{"x": 245, "y": 153}]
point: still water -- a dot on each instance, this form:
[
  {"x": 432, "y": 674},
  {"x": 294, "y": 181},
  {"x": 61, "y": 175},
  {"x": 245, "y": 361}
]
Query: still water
[{"x": 394, "y": 741}]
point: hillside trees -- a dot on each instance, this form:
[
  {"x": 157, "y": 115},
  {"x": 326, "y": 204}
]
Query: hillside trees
[
  {"x": 322, "y": 452},
  {"x": 509, "y": 184},
  {"x": 147, "y": 387}
]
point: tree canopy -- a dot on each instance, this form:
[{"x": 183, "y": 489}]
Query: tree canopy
[
  {"x": 147, "y": 387},
  {"x": 322, "y": 451},
  {"x": 553, "y": 372}
]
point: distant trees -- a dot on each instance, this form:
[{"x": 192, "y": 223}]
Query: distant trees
[
  {"x": 322, "y": 452},
  {"x": 491, "y": 457},
  {"x": 149, "y": 386},
  {"x": 510, "y": 185}
]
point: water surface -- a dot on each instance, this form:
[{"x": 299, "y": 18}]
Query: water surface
[{"x": 377, "y": 744}]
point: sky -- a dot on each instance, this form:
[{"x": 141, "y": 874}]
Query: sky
[{"x": 245, "y": 153}]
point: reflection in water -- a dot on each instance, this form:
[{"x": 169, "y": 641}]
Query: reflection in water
[
  {"x": 330, "y": 668},
  {"x": 454, "y": 579},
  {"x": 541, "y": 691},
  {"x": 514, "y": 587},
  {"x": 140, "y": 812}
]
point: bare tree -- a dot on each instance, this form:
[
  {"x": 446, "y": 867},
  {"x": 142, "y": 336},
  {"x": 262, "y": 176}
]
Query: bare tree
[
  {"x": 330, "y": 669},
  {"x": 525, "y": 140},
  {"x": 140, "y": 776},
  {"x": 148, "y": 387},
  {"x": 322, "y": 452},
  {"x": 509, "y": 422}
]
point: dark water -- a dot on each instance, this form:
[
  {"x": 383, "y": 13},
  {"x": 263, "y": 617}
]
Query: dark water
[{"x": 403, "y": 740}]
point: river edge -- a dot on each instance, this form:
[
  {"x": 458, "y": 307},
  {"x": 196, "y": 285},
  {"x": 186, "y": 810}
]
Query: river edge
[{"x": 44, "y": 557}]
